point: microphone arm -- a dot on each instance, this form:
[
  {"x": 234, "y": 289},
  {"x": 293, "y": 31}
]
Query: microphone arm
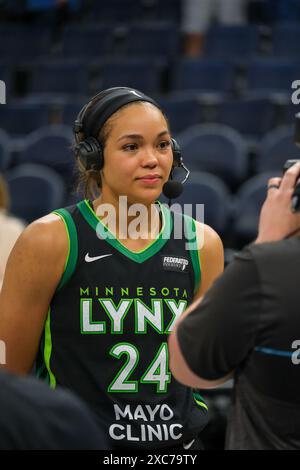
[{"x": 187, "y": 173}]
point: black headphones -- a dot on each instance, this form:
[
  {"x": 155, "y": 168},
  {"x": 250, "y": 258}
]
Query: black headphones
[{"x": 89, "y": 151}]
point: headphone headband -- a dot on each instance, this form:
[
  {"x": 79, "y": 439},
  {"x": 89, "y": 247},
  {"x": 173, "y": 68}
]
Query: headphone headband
[{"x": 106, "y": 104}]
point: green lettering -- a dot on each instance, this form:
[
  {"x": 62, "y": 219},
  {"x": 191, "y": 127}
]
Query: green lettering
[{"x": 84, "y": 291}]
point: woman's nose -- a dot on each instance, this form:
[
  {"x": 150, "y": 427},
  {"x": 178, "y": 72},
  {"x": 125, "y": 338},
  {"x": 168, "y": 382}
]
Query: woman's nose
[{"x": 149, "y": 158}]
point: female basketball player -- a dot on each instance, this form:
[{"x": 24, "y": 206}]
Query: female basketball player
[{"x": 96, "y": 300}]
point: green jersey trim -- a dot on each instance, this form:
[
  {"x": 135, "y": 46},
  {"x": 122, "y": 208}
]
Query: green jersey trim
[
  {"x": 104, "y": 233},
  {"x": 73, "y": 246},
  {"x": 194, "y": 253},
  {"x": 48, "y": 349},
  {"x": 200, "y": 400}
]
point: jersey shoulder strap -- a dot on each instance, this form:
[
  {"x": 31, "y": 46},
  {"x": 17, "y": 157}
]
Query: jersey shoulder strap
[
  {"x": 193, "y": 246},
  {"x": 71, "y": 261}
]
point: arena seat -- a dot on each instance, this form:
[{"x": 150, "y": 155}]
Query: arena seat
[
  {"x": 215, "y": 148},
  {"x": 154, "y": 40},
  {"x": 236, "y": 42},
  {"x": 108, "y": 11},
  {"x": 19, "y": 119},
  {"x": 211, "y": 193},
  {"x": 26, "y": 185},
  {"x": 247, "y": 204},
  {"x": 22, "y": 43},
  {"x": 275, "y": 148},
  {"x": 139, "y": 73},
  {"x": 251, "y": 117},
  {"x": 182, "y": 111},
  {"x": 5, "y": 154},
  {"x": 60, "y": 77},
  {"x": 87, "y": 41},
  {"x": 203, "y": 76},
  {"x": 50, "y": 146},
  {"x": 268, "y": 77},
  {"x": 286, "y": 38}
]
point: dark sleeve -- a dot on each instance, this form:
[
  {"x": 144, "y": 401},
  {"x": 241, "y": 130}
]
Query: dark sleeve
[
  {"x": 217, "y": 336},
  {"x": 34, "y": 417}
]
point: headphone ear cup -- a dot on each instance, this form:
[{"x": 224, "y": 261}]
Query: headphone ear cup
[
  {"x": 90, "y": 154},
  {"x": 177, "y": 158}
]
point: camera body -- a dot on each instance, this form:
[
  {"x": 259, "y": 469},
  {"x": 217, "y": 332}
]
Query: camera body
[
  {"x": 295, "y": 206},
  {"x": 288, "y": 164}
]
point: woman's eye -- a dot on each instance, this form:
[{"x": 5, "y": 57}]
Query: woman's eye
[
  {"x": 165, "y": 144},
  {"x": 130, "y": 147}
]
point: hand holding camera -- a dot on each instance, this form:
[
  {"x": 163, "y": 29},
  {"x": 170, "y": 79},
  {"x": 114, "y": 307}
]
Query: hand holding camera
[{"x": 280, "y": 214}]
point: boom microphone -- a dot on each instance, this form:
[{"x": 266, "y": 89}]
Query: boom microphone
[{"x": 172, "y": 189}]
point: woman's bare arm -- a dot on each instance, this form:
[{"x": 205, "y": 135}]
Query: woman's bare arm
[{"x": 32, "y": 274}]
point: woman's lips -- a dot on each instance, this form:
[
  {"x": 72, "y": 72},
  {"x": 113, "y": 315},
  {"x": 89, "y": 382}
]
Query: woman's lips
[{"x": 150, "y": 179}]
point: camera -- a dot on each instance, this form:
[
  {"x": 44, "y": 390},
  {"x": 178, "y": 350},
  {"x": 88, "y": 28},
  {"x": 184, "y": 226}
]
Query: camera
[
  {"x": 288, "y": 164},
  {"x": 295, "y": 207}
]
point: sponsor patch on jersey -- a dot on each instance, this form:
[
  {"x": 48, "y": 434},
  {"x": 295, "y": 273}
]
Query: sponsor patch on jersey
[{"x": 173, "y": 263}]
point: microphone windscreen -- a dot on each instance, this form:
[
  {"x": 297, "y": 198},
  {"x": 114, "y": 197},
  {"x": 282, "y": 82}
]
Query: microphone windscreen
[{"x": 172, "y": 189}]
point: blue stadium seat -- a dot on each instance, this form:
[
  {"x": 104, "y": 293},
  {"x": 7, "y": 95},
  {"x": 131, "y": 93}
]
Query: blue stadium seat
[
  {"x": 182, "y": 112},
  {"x": 35, "y": 191},
  {"x": 60, "y": 77},
  {"x": 268, "y": 77},
  {"x": 111, "y": 11},
  {"x": 87, "y": 41},
  {"x": 70, "y": 111},
  {"x": 286, "y": 38},
  {"x": 247, "y": 205},
  {"x": 38, "y": 5},
  {"x": 203, "y": 75},
  {"x": 5, "y": 154},
  {"x": 23, "y": 43},
  {"x": 22, "y": 118},
  {"x": 251, "y": 117},
  {"x": 233, "y": 42},
  {"x": 141, "y": 74},
  {"x": 154, "y": 40},
  {"x": 217, "y": 149},
  {"x": 50, "y": 146},
  {"x": 166, "y": 10},
  {"x": 289, "y": 111},
  {"x": 207, "y": 199},
  {"x": 275, "y": 148}
]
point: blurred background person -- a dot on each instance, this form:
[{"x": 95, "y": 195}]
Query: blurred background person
[
  {"x": 197, "y": 15},
  {"x": 10, "y": 228}
]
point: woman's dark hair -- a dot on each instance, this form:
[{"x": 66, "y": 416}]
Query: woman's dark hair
[{"x": 4, "y": 195}]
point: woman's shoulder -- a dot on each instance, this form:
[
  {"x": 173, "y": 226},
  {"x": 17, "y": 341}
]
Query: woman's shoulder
[
  {"x": 47, "y": 236},
  {"x": 207, "y": 237}
]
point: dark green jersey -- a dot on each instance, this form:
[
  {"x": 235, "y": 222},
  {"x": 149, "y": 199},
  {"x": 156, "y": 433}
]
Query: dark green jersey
[{"x": 108, "y": 324}]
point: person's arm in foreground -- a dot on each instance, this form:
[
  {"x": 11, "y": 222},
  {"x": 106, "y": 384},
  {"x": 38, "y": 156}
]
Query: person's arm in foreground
[{"x": 219, "y": 336}]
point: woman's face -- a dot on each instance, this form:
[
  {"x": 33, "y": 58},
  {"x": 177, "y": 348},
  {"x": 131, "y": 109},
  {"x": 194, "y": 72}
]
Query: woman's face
[{"x": 138, "y": 154}]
